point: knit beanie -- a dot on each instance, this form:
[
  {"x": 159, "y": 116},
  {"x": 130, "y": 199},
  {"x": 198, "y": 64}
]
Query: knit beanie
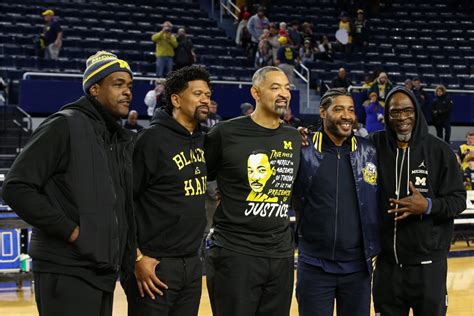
[{"x": 99, "y": 66}]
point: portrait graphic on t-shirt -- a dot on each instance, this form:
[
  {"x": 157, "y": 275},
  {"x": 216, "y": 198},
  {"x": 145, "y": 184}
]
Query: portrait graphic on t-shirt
[
  {"x": 259, "y": 172},
  {"x": 270, "y": 176}
]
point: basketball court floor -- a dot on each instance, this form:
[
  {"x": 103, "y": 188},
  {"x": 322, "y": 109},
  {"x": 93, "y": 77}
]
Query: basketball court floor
[{"x": 460, "y": 289}]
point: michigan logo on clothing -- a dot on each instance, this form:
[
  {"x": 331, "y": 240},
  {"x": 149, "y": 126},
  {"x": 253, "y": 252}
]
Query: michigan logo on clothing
[{"x": 370, "y": 173}]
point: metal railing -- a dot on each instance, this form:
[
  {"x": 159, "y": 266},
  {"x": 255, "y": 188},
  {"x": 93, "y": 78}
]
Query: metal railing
[
  {"x": 227, "y": 8},
  {"x": 305, "y": 79}
]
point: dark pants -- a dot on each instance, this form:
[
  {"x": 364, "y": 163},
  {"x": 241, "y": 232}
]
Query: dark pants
[
  {"x": 446, "y": 125},
  {"x": 241, "y": 285},
  {"x": 317, "y": 289},
  {"x": 420, "y": 287},
  {"x": 183, "y": 275},
  {"x": 59, "y": 295}
]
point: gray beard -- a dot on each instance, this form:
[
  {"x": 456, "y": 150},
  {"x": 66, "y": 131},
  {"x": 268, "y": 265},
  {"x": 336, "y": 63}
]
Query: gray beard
[{"x": 404, "y": 138}]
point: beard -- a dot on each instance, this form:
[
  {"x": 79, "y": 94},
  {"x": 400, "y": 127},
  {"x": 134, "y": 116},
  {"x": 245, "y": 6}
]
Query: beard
[
  {"x": 199, "y": 116},
  {"x": 334, "y": 129},
  {"x": 405, "y": 138}
]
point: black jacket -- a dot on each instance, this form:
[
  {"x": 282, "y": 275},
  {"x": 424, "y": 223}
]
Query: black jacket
[
  {"x": 441, "y": 110},
  {"x": 76, "y": 171},
  {"x": 169, "y": 188},
  {"x": 432, "y": 167}
]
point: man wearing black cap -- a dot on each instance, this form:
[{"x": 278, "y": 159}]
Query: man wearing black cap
[
  {"x": 72, "y": 183},
  {"x": 420, "y": 193}
]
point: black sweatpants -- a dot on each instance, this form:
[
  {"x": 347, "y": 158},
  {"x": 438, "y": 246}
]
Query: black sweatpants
[
  {"x": 422, "y": 287},
  {"x": 59, "y": 295},
  {"x": 243, "y": 285},
  {"x": 183, "y": 275}
]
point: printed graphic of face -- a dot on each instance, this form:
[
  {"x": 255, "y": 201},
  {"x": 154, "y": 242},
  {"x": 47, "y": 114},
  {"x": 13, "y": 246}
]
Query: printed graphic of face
[{"x": 259, "y": 171}]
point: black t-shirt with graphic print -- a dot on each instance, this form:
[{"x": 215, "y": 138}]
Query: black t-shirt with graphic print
[{"x": 255, "y": 168}]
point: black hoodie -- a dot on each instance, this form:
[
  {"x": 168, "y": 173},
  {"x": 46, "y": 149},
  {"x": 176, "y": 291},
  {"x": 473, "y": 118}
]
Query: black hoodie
[
  {"x": 432, "y": 167},
  {"x": 169, "y": 188}
]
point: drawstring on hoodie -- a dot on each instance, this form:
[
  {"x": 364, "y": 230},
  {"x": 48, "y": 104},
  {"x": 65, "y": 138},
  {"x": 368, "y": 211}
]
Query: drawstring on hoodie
[{"x": 398, "y": 181}]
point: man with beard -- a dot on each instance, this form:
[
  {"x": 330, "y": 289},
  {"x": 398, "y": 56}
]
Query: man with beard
[
  {"x": 169, "y": 192},
  {"x": 335, "y": 198},
  {"x": 421, "y": 191},
  {"x": 250, "y": 260},
  {"x": 73, "y": 184}
]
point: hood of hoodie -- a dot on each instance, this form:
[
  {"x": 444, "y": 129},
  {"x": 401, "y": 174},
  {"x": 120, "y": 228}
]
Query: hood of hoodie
[
  {"x": 420, "y": 130},
  {"x": 164, "y": 118},
  {"x": 95, "y": 111}
]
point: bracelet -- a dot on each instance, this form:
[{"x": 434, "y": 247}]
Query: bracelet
[{"x": 140, "y": 257}]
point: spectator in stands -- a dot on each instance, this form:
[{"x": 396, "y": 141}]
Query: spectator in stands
[
  {"x": 282, "y": 31},
  {"x": 291, "y": 120},
  {"x": 165, "y": 45},
  {"x": 441, "y": 113},
  {"x": 325, "y": 49},
  {"x": 257, "y": 23},
  {"x": 335, "y": 197},
  {"x": 243, "y": 37},
  {"x": 244, "y": 11},
  {"x": 341, "y": 80},
  {"x": 213, "y": 118},
  {"x": 307, "y": 33},
  {"x": 250, "y": 264},
  {"x": 466, "y": 151},
  {"x": 273, "y": 41},
  {"x": 52, "y": 35},
  {"x": 468, "y": 175},
  {"x": 382, "y": 87},
  {"x": 306, "y": 53},
  {"x": 184, "y": 55},
  {"x": 295, "y": 36},
  {"x": 421, "y": 187},
  {"x": 408, "y": 84},
  {"x": 286, "y": 58},
  {"x": 367, "y": 82},
  {"x": 374, "y": 114},
  {"x": 132, "y": 122},
  {"x": 345, "y": 25},
  {"x": 155, "y": 98},
  {"x": 72, "y": 184},
  {"x": 246, "y": 109},
  {"x": 264, "y": 56},
  {"x": 169, "y": 194},
  {"x": 421, "y": 96},
  {"x": 361, "y": 33}
]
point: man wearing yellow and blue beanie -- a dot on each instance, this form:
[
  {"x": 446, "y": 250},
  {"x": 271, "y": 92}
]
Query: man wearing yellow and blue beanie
[{"x": 73, "y": 184}]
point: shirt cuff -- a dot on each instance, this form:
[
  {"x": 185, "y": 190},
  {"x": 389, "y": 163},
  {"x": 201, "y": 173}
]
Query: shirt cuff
[{"x": 428, "y": 208}]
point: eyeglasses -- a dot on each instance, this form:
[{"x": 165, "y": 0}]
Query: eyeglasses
[{"x": 407, "y": 112}]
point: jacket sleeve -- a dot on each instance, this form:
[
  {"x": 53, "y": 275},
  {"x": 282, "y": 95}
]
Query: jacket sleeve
[
  {"x": 45, "y": 156},
  {"x": 144, "y": 163},
  {"x": 213, "y": 151},
  {"x": 173, "y": 41},
  {"x": 251, "y": 27},
  {"x": 450, "y": 199}
]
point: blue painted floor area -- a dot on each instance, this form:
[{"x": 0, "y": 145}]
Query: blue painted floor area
[{"x": 12, "y": 287}]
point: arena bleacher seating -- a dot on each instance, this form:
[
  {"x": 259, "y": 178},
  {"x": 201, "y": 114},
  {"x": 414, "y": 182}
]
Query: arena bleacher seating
[
  {"x": 415, "y": 38},
  {"x": 122, "y": 27}
]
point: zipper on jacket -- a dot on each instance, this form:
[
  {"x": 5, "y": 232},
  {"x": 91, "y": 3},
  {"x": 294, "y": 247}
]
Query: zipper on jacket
[
  {"x": 337, "y": 204},
  {"x": 115, "y": 259}
]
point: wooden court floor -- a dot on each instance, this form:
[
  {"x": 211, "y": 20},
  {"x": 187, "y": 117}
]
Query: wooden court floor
[{"x": 460, "y": 288}]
